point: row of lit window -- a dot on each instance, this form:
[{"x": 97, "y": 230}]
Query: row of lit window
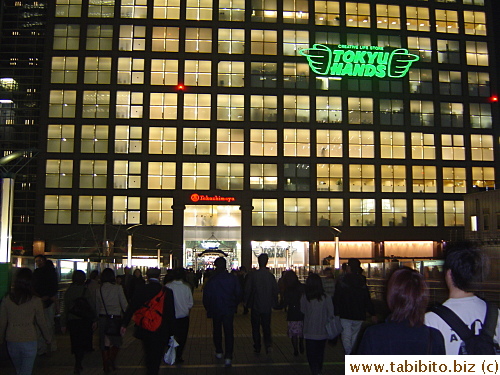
[
  {"x": 165, "y": 72},
  {"x": 265, "y": 108},
  {"x": 93, "y": 174},
  {"x": 331, "y": 13},
  {"x": 264, "y": 142},
  {"x": 295, "y": 211},
  {"x": 232, "y": 41}
]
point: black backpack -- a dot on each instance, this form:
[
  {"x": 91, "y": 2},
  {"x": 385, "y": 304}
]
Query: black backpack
[
  {"x": 472, "y": 344},
  {"x": 82, "y": 308}
]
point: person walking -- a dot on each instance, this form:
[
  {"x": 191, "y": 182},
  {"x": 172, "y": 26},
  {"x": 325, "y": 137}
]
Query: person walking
[
  {"x": 135, "y": 282},
  {"x": 294, "y": 316},
  {"x": 352, "y": 302},
  {"x": 261, "y": 296},
  {"x": 317, "y": 308},
  {"x": 80, "y": 327},
  {"x": 183, "y": 301},
  {"x": 110, "y": 301},
  {"x": 45, "y": 284},
  {"x": 404, "y": 332},
  {"x": 221, "y": 297},
  {"x": 154, "y": 343},
  {"x": 20, "y": 313},
  {"x": 464, "y": 265}
]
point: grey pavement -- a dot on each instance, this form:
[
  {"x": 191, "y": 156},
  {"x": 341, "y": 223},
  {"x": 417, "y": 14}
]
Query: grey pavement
[{"x": 198, "y": 355}]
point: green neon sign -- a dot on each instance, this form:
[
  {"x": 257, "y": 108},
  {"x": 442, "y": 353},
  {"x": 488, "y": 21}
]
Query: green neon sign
[{"x": 358, "y": 61}]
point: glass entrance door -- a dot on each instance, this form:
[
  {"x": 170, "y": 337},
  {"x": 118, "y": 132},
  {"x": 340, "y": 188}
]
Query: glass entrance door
[{"x": 211, "y": 230}]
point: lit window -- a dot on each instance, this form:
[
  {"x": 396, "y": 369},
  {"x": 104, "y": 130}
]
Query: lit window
[
  {"x": 295, "y": 75},
  {"x": 57, "y": 209},
  {"x": 60, "y": 138},
  {"x": 454, "y": 180},
  {"x": 59, "y": 174},
  {"x": 294, "y": 41},
  {"x": 127, "y": 174},
  {"x": 231, "y": 10},
  {"x": 95, "y": 104},
  {"x": 93, "y": 174},
  {"x": 94, "y": 139},
  {"x": 230, "y": 141},
  {"x": 196, "y": 141},
  {"x": 231, "y": 41},
  {"x": 161, "y": 175},
  {"x": 198, "y": 73},
  {"x": 327, "y": 13},
  {"x": 361, "y": 178},
  {"x": 362, "y": 212},
  {"x": 330, "y": 212},
  {"x": 132, "y": 38},
  {"x": 421, "y": 113},
  {"x": 130, "y": 71},
  {"x": 198, "y": 40},
  {"x": 446, "y": 21},
  {"x": 454, "y": 215},
  {"x": 167, "y": 9},
  {"x": 62, "y": 103},
  {"x": 388, "y": 17},
  {"x": 264, "y": 42},
  {"x": 476, "y": 53},
  {"x": 160, "y": 211},
  {"x": 164, "y": 72},
  {"x": 263, "y": 74},
  {"x": 296, "y": 108},
  {"x": 420, "y": 46},
  {"x": 482, "y": 147},
  {"x": 165, "y": 39},
  {"x": 91, "y": 209},
  {"x": 265, "y": 212},
  {"x": 392, "y": 145},
  {"x": 231, "y": 74},
  {"x": 483, "y": 177},
  {"x": 452, "y": 115},
  {"x": 393, "y": 178},
  {"x": 479, "y": 84},
  {"x": 128, "y": 139},
  {"x": 295, "y": 11},
  {"x": 360, "y": 110},
  {"x": 163, "y": 106},
  {"x": 296, "y": 177},
  {"x": 453, "y": 147},
  {"x": 297, "y": 212},
  {"x": 296, "y": 142},
  {"x": 64, "y": 69},
  {"x": 263, "y": 108},
  {"x": 361, "y": 144},
  {"x": 129, "y": 104},
  {"x": 448, "y": 51},
  {"x": 199, "y": 10},
  {"x": 134, "y": 9},
  {"x": 422, "y": 146},
  {"x": 197, "y": 107},
  {"x": 66, "y": 37},
  {"x": 162, "y": 140},
  {"x": 68, "y": 8},
  {"x": 263, "y": 177},
  {"x": 263, "y": 142},
  {"x": 391, "y": 112},
  {"x": 425, "y": 213},
  {"x": 264, "y": 11},
  {"x": 357, "y": 15},
  {"x": 480, "y": 115},
  {"x": 394, "y": 213},
  {"x": 101, "y": 8},
  {"x": 424, "y": 179},
  {"x": 230, "y": 107},
  {"x": 450, "y": 83},
  {"x": 329, "y": 109},
  {"x": 329, "y": 143},
  {"x": 126, "y": 210},
  {"x": 229, "y": 176},
  {"x": 420, "y": 81},
  {"x": 329, "y": 177},
  {"x": 417, "y": 19},
  {"x": 195, "y": 176},
  {"x": 99, "y": 37}
]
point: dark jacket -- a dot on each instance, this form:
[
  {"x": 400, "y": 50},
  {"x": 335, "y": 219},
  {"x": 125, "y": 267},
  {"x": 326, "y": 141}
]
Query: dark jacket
[
  {"x": 352, "y": 298},
  {"x": 261, "y": 291},
  {"x": 45, "y": 283},
  {"x": 292, "y": 302},
  {"x": 143, "y": 295},
  {"x": 222, "y": 294},
  {"x": 401, "y": 339}
]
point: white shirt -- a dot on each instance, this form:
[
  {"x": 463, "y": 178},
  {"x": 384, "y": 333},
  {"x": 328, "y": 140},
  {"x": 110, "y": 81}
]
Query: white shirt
[
  {"x": 471, "y": 310},
  {"x": 183, "y": 298}
]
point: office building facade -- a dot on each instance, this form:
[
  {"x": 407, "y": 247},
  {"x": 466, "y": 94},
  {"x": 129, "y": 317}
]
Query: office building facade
[{"x": 257, "y": 126}]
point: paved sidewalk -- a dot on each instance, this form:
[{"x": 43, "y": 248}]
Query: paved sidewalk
[{"x": 198, "y": 354}]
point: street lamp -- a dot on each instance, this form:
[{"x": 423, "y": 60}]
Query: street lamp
[
  {"x": 129, "y": 244},
  {"x": 336, "y": 233}
]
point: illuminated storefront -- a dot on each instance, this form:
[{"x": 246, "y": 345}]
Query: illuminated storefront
[{"x": 260, "y": 125}]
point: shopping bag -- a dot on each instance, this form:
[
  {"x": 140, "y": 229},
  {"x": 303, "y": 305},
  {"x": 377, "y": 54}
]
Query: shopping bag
[
  {"x": 170, "y": 354},
  {"x": 333, "y": 327}
]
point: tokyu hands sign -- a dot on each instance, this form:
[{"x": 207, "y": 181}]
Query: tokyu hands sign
[{"x": 358, "y": 61}]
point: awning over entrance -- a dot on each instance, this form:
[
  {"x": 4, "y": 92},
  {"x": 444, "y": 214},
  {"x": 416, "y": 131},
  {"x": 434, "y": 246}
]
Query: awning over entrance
[{"x": 212, "y": 252}]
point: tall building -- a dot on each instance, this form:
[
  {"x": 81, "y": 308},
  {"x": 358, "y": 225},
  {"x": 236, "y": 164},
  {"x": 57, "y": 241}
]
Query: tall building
[
  {"x": 256, "y": 126},
  {"x": 22, "y": 25}
]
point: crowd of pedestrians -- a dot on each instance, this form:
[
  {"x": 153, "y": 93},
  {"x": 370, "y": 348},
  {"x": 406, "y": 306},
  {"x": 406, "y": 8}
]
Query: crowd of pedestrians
[{"x": 103, "y": 305}]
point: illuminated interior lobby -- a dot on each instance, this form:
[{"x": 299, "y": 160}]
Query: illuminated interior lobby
[{"x": 256, "y": 126}]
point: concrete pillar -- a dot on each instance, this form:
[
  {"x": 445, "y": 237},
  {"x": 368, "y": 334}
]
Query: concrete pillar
[{"x": 246, "y": 236}]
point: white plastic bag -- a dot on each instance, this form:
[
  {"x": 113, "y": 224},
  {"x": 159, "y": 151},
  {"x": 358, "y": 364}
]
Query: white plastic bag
[{"x": 170, "y": 355}]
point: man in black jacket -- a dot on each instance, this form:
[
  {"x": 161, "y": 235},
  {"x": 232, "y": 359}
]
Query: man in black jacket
[{"x": 154, "y": 343}]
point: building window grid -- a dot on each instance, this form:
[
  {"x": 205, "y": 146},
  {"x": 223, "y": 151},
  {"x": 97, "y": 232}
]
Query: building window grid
[
  {"x": 361, "y": 144},
  {"x": 450, "y": 82},
  {"x": 393, "y": 178},
  {"x": 263, "y": 74},
  {"x": 263, "y": 142},
  {"x": 329, "y": 109},
  {"x": 229, "y": 176},
  {"x": 454, "y": 180},
  {"x": 394, "y": 212},
  {"x": 424, "y": 179},
  {"x": 296, "y": 177},
  {"x": 198, "y": 73},
  {"x": 95, "y": 104},
  {"x": 66, "y": 37},
  {"x": 166, "y": 9},
  {"x": 231, "y": 74},
  {"x": 198, "y": 40},
  {"x": 329, "y": 143},
  {"x": 130, "y": 71},
  {"x": 128, "y": 139},
  {"x": 162, "y": 140},
  {"x": 265, "y": 212},
  {"x": 420, "y": 81},
  {"x": 165, "y": 39},
  {"x": 264, "y": 42},
  {"x": 452, "y": 115},
  {"x": 330, "y": 211},
  {"x": 195, "y": 176},
  {"x": 101, "y": 8},
  {"x": 129, "y": 104},
  {"x": 61, "y": 138},
  {"x": 447, "y": 21},
  {"x": 327, "y": 13},
  {"x": 232, "y": 10},
  {"x": 476, "y": 53},
  {"x": 231, "y": 41},
  {"x": 296, "y": 142},
  {"x": 448, "y": 51},
  {"x": 196, "y": 141},
  {"x": 357, "y": 15},
  {"x": 420, "y": 46},
  {"x": 392, "y": 145},
  {"x": 421, "y": 113},
  {"x": 388, "y": 17},
  {"x": 453, "y": 147},
  {"x": 132, "y": 38},
  {"x": 163, "y": 106},
  {"x": 263, "y": 108},
  {"x": 93, "y": 174},
  {"x": 482, "y": 147},
  {"x": 295, "y": 11},
  {"x": 483, "y": 177},
  {"x": 295, "y": 75},
  {"x": 423, "y": 146},
  {"x": 362, "y": 212},
  {"x": 64, "y": 69},
  {"x": 360, "y": 110},
  {"x": 453, "y": 212},
  {"x": 296, "y": 108},
  {"x": 391, "y": 112},
  {"x": 199, "y": 10},
  {"x": 230, "y": 141},
  {"x": 94, "y": 139},
  {"x": 134, "y": 9},
  {"x": 417, "y": 19},
  {"x": 230, "y": 107},
  {"x": 297, "y": 212},
  {"x": 62, "y": 103},
  {"x": 329, "y": 177},
  {"x": 97, "y": 70},
  {"x": 126, "y": 210},
  {"x": 264, "y": 177},
  {"x": 59, "y": 174},
  {"x": 68, "y": 8},
  {"x": 127, "y": 174},
  {"x": 99, "y": 38},
  {"x": 480, "y": 116},
  {"x": 91, "y": 209},
  {"x": 425, "y": 213},
  {"x": 478, "y": 84},
  {"x": 474, "y": 22},
  {"x": 197, "y": 107},
  {"x": 164, "y": 72}
]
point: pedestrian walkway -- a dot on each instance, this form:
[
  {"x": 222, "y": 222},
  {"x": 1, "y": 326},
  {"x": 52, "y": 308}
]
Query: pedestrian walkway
[{"x": 199, "y": 353}]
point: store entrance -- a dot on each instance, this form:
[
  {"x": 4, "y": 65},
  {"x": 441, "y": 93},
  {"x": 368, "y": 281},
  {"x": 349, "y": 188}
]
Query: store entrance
[{"x": 211, "y": 231}]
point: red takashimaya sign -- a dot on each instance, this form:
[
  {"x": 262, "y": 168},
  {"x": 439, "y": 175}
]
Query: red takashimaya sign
[{"x": 216, "y": 198}]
